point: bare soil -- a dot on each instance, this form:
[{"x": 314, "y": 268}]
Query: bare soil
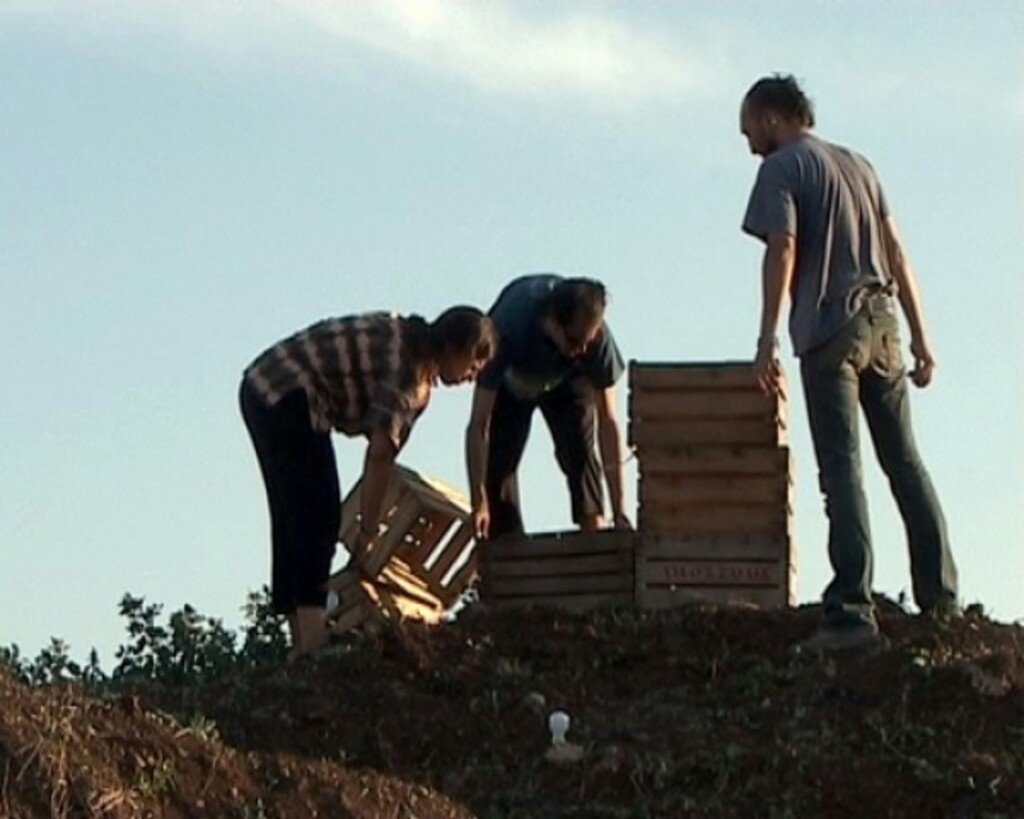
[{"x": 696, "y": 712}]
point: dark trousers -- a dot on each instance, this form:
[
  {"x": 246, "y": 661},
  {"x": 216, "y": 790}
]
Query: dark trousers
[
  {"x": 301, "y": 479},
  {"x": 571, "y": 414},
  {"x": 862, "y": 366}
]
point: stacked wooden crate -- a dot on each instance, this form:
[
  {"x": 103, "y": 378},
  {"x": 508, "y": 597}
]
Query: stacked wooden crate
[
  {"x": 421, "y": 561},
  {"x": 568, "y": 570},
  {"x": 715, "y": 486}
]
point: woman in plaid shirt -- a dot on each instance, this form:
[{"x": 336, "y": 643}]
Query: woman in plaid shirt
[{"x": 368, "y": 375}]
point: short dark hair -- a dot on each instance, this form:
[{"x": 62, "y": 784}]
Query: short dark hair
[
  {"x": 782, "y": 94},
  {"x": 572, "y": 298},
  {"x": 465, "y": 328}
]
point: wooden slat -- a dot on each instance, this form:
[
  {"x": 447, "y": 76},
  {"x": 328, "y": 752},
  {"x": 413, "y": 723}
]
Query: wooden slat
[
  {"x": 646, "y": 436},
  {"x": 349, "y": 516},
  {"x": 695, "y": 519},
  {"x": 431, "y": 548},
  {"x": 396, "y": 567},
  {"x": 422, "y": 537},
  {"x": 434, "y": 493},
  {"x": 674, "y": 376},
  {"x": 687, "y": 572},
  {"x": 739, "y": 490},
  {"x": 403, "y": 587},
  {"x": 561, "y": 567},
  {"x": 342, "y": 582},
  {"x": 410, "y": 609},
  {"x": 569, "y": 584},
  {"x": 575, "y": 543},
  {"x": 385, "y": 545},
  {"x": 724, "y": 460},
  {"x": 350, "y": 509},
  {"x": 740, "y": 403},
  {"x": 450, "y": 553},
  {"x": 751, "y": 546},
  {"x": 453, "y": 589}
]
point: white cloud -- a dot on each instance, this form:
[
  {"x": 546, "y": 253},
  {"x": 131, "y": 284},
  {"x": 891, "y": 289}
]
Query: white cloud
[{"x": 489, "y": 44}]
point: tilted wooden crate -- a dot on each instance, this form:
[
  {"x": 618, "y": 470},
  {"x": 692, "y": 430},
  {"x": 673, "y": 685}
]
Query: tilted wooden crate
[
  {"x": 569, "y": 570},
  {"x": 422, "y": 560},
  {"x": 753, "y": 569}
]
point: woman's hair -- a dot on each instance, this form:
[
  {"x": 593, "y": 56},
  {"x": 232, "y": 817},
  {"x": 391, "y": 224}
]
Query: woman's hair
[
  {"x": 457, "y": 328},
  {"x": 574, "y": 298},
  {"x": 464, "y": 328},
  {"x": 783, "y": 95}
]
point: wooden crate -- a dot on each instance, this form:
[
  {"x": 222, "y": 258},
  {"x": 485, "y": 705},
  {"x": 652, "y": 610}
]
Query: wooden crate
[
  {"x": 662, "y": 376},
  {"x": 702, "y": 405},
  {"x": 711, "y": 450},
  {"x": 422, "y": 559},
  {"x": 754, "y": 569},
  {"x": 568, "y": 570},
  {"x": 713, "y": 490}
]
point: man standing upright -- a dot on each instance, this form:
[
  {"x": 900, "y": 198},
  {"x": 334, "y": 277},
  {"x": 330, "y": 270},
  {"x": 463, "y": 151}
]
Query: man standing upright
[
  {"x": 832, "y": 244},
  {"x": 555, "y": 354}
]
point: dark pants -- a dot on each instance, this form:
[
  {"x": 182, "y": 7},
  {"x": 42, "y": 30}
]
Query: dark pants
[
  {"x": 863, "y": 365},
  {"x": 571, "y": 414},
  {"x": 301, "y": 479}
]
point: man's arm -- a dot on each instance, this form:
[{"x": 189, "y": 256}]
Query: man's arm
[
  {"x": 910, "y": 301},
  {"x": 610, "y": 442},
  {"x": 477, "y": 437},
  {"x": 776, "y": 274},
  {"x": 380, "y": 456}
]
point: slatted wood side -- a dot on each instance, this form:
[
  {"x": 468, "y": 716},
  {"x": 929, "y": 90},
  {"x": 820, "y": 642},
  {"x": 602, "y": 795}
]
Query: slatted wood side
[
  {"x": 716, "y": 490},
  {"x": 571, "y": 570},
  {"x": 711, "y": 449},
  {"x": 355, "y": 607},
  {"x": 717, "y": 404},
  {"x": 648, "y": 376},
  {"x": 754, "y": 569}
]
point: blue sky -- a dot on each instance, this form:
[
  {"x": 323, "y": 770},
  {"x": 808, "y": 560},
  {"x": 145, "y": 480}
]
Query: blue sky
[{"x": 183, "y": 183}]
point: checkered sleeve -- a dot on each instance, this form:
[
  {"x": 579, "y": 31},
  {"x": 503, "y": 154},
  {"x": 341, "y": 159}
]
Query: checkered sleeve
[{"x": 392, "y": 411}]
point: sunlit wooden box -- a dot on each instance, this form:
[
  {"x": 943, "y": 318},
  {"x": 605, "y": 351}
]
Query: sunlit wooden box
[
  {"x": 420, "y": 563},
  {"x": 566, "y": 570},
  {"x": 711, "y": 450}
]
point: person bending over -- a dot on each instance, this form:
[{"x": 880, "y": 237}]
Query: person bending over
[{"x": 365, "y": 375}]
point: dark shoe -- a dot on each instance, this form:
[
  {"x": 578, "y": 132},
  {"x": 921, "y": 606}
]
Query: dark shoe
[{"x": 834, "y": 638}]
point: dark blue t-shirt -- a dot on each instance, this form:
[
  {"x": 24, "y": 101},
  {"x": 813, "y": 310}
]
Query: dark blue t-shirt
[{"x": 528, "y": 362}]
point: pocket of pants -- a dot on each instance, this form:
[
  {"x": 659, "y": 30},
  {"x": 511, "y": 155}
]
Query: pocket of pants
[{"x": 887, "y": 358}]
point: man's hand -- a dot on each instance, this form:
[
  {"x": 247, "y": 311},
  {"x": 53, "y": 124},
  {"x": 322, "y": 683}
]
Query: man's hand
[
  {"x": 767, "y": 369},
  {"x": 622, "y": 523},
  {"x": 482, "y": 520},
  {"x": 924, "y": 362}
]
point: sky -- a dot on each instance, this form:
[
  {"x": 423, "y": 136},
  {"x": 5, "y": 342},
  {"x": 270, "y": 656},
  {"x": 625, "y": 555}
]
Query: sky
[{"x": 183, "y": 183}]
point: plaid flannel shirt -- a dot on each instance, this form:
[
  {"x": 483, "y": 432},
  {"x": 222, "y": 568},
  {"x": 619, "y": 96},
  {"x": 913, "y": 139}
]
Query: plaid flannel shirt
[{"x": 356, "y": 373}]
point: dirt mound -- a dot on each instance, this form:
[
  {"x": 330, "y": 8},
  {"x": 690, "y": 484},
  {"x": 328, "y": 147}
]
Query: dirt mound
[{"x": 695, "y": 712}]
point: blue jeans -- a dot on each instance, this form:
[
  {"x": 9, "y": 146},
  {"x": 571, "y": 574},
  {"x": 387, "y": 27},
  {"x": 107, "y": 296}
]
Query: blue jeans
[{"x": 862, "y": 366}]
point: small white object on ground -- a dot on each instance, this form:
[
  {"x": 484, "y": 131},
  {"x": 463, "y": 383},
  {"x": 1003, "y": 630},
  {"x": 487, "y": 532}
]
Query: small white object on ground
[
  {"x": 558, "y": 724},
  {"x": 561, "y": 750}
]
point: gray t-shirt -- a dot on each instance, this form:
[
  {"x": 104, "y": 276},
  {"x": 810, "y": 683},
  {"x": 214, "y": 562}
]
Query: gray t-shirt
[{"x": 829, "y": 198}]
